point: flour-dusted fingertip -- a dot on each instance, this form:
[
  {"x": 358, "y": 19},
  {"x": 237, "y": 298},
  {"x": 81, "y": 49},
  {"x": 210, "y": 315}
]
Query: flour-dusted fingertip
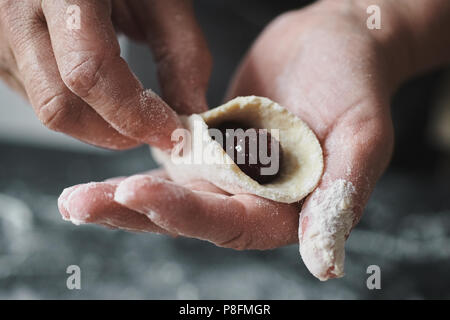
[
  {"x": 63, "y": 201},
  {"x": 322, "y": 263},
  {"x": 85, "y": 201},
  {"x": 150, "y": 196},
  {"x": 325, "y": 224},
  {"x": 130, "y": 190},
  {"x": 123, "y": 194}
]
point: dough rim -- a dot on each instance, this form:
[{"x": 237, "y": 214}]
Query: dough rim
[{"x": 296, "y": 138}]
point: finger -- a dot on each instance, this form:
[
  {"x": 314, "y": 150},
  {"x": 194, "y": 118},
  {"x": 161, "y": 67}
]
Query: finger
[
  {"x": 115, "y": 181},
  {"x": 239, "y": 222},
  {"x": 201, "y": 185},
  {"x": 180, "y": 50},
  {"x": 57, "y": 107},
  {"x": 126, "y": 21},
  {"x": 63, "y": 200},
  {"x": 160, "y": 173},
  {"x": 335, "y": 207},
  {"x": 90, "y": 65},
  {"x": 94, "y": 203},
  {"x": 8, "y": 66}
]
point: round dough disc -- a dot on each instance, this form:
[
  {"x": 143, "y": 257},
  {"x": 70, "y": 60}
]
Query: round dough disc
[{"x": 301, "y": 168}]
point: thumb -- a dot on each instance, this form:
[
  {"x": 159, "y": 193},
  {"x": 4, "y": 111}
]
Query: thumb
[{"x": 355, "y": 157}]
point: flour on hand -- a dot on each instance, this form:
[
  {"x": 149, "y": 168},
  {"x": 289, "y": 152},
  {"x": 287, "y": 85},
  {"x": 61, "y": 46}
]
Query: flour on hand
[{"x": 327, "y": 226}]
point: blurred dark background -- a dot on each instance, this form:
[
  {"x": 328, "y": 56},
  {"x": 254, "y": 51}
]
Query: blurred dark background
[{"x": 405, "y": 229}]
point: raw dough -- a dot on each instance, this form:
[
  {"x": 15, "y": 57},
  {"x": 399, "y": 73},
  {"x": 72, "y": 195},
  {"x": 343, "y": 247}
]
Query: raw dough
[{"x": 302, "y": 164}]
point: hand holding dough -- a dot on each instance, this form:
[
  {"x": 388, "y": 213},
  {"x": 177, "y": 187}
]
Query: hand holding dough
[{"x": 300, "y": 170}]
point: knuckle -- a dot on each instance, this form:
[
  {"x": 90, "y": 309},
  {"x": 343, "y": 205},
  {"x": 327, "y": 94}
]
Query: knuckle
[
  {"x": 82, "y": 75},
  {"x": 56, "y": 112}
]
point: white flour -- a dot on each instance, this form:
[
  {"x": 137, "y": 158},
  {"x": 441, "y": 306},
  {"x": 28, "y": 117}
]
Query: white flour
[{"x": 330, "y": 219}]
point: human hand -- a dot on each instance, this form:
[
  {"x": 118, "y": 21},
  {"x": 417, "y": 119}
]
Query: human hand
[
  {"x": 334, "y": 75},
  {"x": 324, "y": 65},
  {"x": 327, "y": 68},
  {"x": 76, "y": 80},
  {"x": 331, "y": 77}
]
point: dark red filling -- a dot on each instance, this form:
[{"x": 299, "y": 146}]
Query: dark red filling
[{"x": 246, "y": 154}]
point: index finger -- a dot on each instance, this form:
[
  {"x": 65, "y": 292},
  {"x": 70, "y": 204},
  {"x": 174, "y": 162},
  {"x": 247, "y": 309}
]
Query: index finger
[
  {"x": 89, "y": 61},
  {"x": 238, "y": 222}
]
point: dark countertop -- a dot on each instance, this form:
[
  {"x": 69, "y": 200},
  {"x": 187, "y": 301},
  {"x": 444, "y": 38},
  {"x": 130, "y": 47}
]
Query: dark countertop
[{"x": 405, "y": 231}]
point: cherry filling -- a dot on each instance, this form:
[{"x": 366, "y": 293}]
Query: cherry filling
[{"x": 252, "y": 150}]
